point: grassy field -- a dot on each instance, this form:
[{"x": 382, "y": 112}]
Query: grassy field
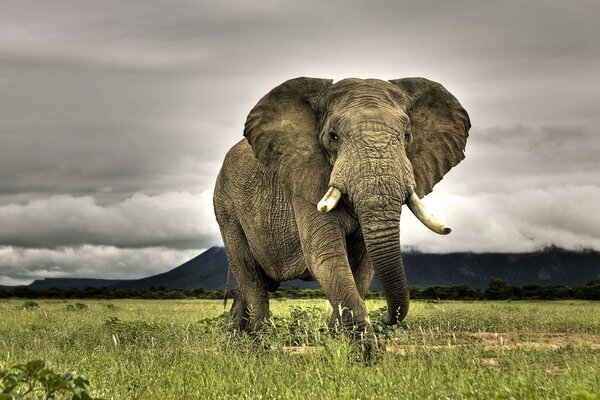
[{"x": 176, "y": 349}]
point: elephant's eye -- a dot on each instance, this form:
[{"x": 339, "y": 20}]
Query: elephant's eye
[
  {"x": 407, "y": 136},
  {"x": 333, "y": 136}
]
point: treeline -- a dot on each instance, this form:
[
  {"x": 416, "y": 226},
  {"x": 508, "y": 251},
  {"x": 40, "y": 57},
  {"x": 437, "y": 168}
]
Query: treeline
[{"x": 497, "y": 289}]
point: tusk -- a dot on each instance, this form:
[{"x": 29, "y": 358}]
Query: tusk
[
  {"x": 330, "y": 200},
  {"x": 417, "y": 208}
]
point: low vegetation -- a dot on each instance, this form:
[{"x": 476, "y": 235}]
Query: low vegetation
[
  {"x": 34, "y": 380},
  {"x": 174, "y": 349}
]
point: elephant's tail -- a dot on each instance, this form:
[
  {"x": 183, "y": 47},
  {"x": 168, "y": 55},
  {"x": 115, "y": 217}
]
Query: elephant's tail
[{"x": 226, "y": 292}]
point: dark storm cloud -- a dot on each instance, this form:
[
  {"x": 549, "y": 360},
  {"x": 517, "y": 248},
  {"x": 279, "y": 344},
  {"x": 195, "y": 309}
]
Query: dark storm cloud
[
  {"x": 173, "y": 219},
  {"x": 79, "y": 131},
  {"x": 513, "y": 158},
  {"x": 20, "y": 266},
  {"x": 101, "y": 102}
]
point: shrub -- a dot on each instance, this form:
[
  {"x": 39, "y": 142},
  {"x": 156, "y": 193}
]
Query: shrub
[
  {"x": 34, "y": 380},
  {"x": 591, "y": 290},
  {"x": 77, "y": 307},
  {"x": 134, "y": 333},
  {"x": 30, "y": 305},
  {"x": 307, "y": 325}
]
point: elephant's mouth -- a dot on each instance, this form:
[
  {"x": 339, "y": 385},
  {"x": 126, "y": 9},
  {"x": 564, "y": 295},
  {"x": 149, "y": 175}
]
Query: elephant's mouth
[{"x": 333, "y": 196}]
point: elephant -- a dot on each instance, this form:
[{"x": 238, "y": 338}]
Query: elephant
[{"x": 315, "y": 190}]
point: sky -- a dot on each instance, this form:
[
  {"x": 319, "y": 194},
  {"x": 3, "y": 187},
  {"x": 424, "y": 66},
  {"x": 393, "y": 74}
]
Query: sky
[{"x": 115, "y": 117}]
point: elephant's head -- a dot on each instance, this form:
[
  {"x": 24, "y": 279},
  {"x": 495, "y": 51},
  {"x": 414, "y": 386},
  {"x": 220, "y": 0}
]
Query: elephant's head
[{"x": 376, "y": 144}]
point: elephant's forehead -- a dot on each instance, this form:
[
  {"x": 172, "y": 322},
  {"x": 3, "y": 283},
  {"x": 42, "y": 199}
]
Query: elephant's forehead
[
  {"x": 363, "y": 93},
  {"x": 382, "y": 120},
  {"x": 355, "y": 85}
]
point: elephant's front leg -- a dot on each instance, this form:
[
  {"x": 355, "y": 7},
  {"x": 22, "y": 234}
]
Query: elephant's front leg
[{"x": 324, "y": 246}]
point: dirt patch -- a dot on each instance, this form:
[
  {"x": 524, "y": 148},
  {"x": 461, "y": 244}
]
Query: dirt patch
[
  {"x": 490, "y": 362},
  {"x": 490, "y": 341},
  {"x": 402, "y": 348},
  {"x": 299, "y": 350},
  {"x": 542, "y": 341}
]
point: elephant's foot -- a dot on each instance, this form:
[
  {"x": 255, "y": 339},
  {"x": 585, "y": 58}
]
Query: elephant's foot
[
  {"x": 393, "y": 318},
  {"x": 366, "y": 346}
]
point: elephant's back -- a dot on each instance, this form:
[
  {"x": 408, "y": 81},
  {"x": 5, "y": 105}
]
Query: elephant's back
[{"x": 238, "y": 169}]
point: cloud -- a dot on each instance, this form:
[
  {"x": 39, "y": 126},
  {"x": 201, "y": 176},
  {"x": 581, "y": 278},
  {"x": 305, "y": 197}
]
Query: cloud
[
  {"x": 179, "y": 220},
  {"x": 520, "y": 188},
  {"x": 509, "y": 159},
  {"x": 527, "y": 220},
  {"x": 21, "y": 266}
]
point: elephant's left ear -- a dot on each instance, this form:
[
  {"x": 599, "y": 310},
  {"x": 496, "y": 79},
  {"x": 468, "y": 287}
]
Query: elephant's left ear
[
  {"x": 439, "y": 126},
  {"x": 282, "y": 130}
]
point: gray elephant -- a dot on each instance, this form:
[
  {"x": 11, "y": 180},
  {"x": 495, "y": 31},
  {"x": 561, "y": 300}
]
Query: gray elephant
[{"x": 315, "y": 190}]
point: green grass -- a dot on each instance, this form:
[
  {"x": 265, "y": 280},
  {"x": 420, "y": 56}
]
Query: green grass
[{"x": 176, "y": 349}]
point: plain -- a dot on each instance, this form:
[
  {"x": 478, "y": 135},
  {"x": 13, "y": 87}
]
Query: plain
[{"x": 177, "y": 349}]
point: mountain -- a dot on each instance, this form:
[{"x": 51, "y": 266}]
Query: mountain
[
  {"x": 552, "y": 266},
  {"x": 207, "y": 270}
]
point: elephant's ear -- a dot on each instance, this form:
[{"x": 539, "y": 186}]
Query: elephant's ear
[
  {"x": 440, "y": 127},
  {"x": 283, "y": 131}
]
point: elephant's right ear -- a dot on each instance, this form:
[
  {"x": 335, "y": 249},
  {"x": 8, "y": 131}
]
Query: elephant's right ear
[
  {"x": 282, "y": 129},
  {"x": 440, "y": 127}
]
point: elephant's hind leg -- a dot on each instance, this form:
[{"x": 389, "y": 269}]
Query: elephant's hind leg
[
  {"x": 250, "y": 308},
  {"x": 238, "y": 315},
  {"x": 362, "y": 269}
]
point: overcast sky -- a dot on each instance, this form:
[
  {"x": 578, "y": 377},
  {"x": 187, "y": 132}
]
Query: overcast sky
[{"x": 115, "y": 117}]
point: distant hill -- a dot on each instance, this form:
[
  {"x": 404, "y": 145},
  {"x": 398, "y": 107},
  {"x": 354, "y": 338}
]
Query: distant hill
[
  {"x": 207, "y": 270},
  {"x": 552, "y": 266}
]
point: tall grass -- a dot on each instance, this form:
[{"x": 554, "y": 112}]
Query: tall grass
[{"x": 177, "y": 349}]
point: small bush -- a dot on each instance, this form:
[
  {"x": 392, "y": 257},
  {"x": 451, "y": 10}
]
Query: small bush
[
  {"x": 307, "y": 325},
  {"x": 213, "y": 324},
  {"x": 77, "y": 307},
  {"x": 134, "y": 333},
  {"x": 30, "y": 305},
  {"x": 35, "y": 380}
]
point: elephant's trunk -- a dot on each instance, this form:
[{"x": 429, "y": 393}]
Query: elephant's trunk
[
  {"x": 381, "y": 231},
  {"x": 377, "y": 202}
]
